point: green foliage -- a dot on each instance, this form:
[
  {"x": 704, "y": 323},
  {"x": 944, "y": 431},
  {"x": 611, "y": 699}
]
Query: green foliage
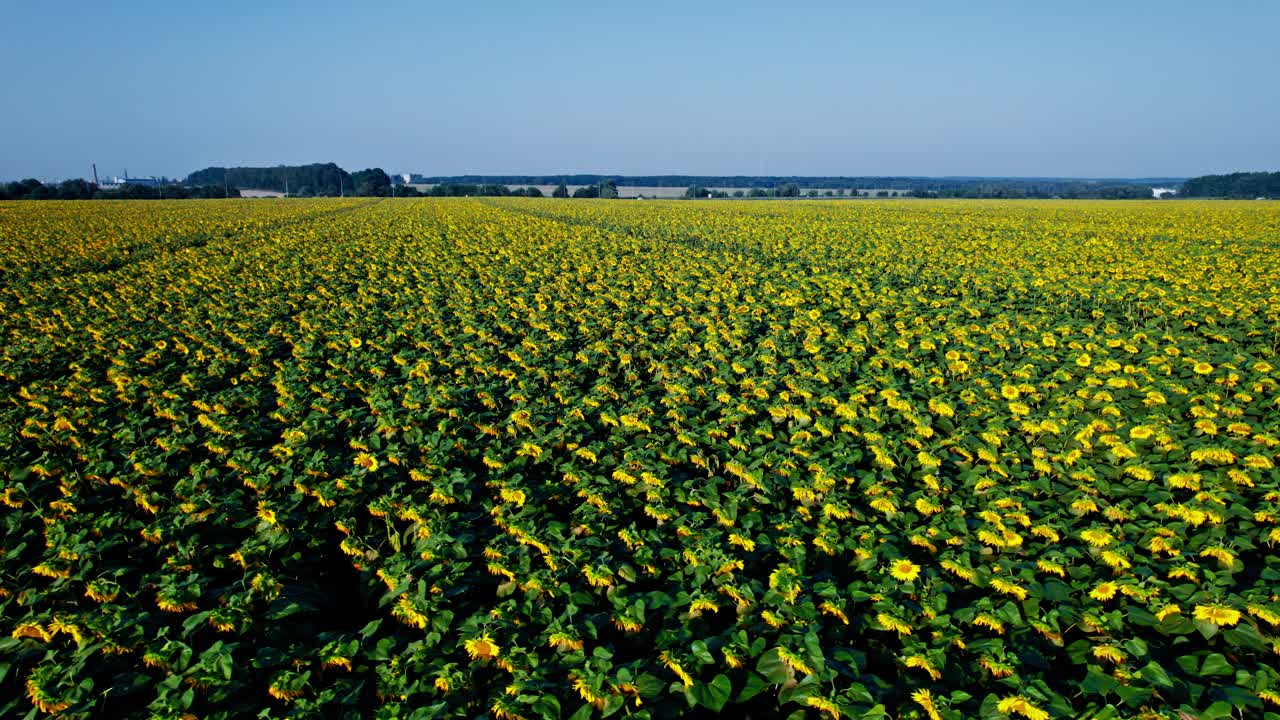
[
  {"x": 458, "y": 458},
  {"x": 1235, "y": 185}
]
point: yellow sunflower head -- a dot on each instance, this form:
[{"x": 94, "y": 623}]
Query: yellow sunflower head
[{"x": 904, "y": 570}]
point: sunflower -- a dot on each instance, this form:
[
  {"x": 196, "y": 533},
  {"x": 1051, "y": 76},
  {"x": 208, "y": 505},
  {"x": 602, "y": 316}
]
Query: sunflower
[
  {"x": 1109, "y": 653},
  {"x": 890, "y": 622},
  {"x": 1016, "y": 704},
  {"x": 924, "y": 699},
  {"x": 823, "y": 705},
  {"x": 481, "y": 648},
  {"x": 1105, "y": 591},
  {"x": 920, "y": 661},
  {"x": 1097, "y": 538},
  {"x": 1219, "y": 615},
  {"x": 904, "y": 570},
  {"x": 367, "y": 461}
]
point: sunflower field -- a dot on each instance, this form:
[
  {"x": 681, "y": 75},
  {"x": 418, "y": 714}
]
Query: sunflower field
[{"x": 522, "y": 458}]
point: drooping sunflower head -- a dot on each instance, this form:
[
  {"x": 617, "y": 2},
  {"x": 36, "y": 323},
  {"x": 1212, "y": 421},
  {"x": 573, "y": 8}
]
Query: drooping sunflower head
[{"x": 482, "y": 648}]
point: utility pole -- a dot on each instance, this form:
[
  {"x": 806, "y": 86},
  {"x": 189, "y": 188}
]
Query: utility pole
[
  {"x": 286, "y": 180},
  {"x": 95, "y": 174},
  {"x": 226, "y": 190}
]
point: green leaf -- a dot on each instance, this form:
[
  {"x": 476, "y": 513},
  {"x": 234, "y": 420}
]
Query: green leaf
[
  {"x": 715, "y": 694},
  {"x": 613, "y": 705},
  {"x": 813, "y": 648},
  {"x": 755, "y": 685},
  {"x": 772, "y": 667},
  {"x": 1238, "y": 697},
  {"x": 650, "y": 686},
  {"x": 1217, "y": 711},
  {"x": 1133, "y": 696},
  {"x": 547, "y": 706},
  {"x": 1175, "y": 625},
  {"x": 1215, "y": 664},
  {"x": 701, "y": 652},
  {"x": 1098, "y": 683},
  {"x": 1155, "y": 675},
  {"x": 1136, "y": 647},
  {"x": 1246, "y": 636},
  {"x": 1142, "y": 617}
]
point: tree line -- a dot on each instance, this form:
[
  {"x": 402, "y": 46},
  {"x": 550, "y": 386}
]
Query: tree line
[
  {"x": 471, "y": 190},
  {"x": 1235, "y": 185},
  {"x": 603, "y": 189},
  {"x": 314, "y": 180},
  {"x": 328, "y": 179},
  {"x": 32, "y": 189}
]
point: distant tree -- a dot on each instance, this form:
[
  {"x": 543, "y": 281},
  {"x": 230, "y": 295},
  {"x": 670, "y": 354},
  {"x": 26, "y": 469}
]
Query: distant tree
[
  {"x": 813, "y": 193},
  {"x": 1125, "y": 192},
  {"x": 737, "y": 193},
  {"x": 840, "y": 192},
  {"x": 75, "y": 190},
  {"x": 561, "y": 191},
  {"x": 532, "y": 191},
  {"x": 587, "y": 191},
  {"x": 882, "y": 193},
  {"x": 322, "y": 178},
  {"x": 23, "y": 189},
  {"x": 758, "y": 193},
  {"x": 373, "y": 182},
  {"x": 696, "y": 191},
  {"x": 212, "y": 191},
  {"x": 608, "y": 189},
  {"x": 787, "y": 190},
  {"x": 1235, "y": 185}
]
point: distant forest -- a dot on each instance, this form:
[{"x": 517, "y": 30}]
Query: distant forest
[
  {"x": 315, "y": 180},
  {"x": 32, "y": 189},
  {"x": 1235, "y": 185},
  {"x": 328, "y": 179}
]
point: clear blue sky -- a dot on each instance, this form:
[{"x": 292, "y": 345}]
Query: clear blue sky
[{"x": 1100, "y": 89}]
